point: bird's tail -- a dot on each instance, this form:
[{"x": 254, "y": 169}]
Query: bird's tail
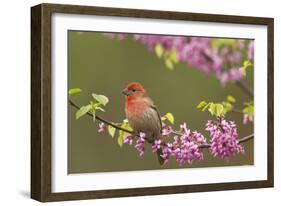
[{"x": 160, "y": 159}]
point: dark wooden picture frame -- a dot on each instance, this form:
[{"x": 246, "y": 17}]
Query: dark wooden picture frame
[{"x": 41, "y": 117}]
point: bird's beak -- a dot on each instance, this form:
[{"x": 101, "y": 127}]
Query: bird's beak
[{"x": 126, "y": 92}]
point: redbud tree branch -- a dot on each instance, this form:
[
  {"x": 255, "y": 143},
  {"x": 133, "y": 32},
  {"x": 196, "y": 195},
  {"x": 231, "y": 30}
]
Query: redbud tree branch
[
  {"x": 241, "y": 140},
  {"x": 100, "y": 118},
  {"x": 245, "y": 89}
]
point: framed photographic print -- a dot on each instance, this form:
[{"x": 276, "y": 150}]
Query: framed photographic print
[{"x": 132, "y": 102}]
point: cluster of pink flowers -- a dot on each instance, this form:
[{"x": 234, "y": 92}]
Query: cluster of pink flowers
[
  {"x": 224, "y": 138},
  {"x": 185, "y": 148},
  {"x": 198, "y": 52}
]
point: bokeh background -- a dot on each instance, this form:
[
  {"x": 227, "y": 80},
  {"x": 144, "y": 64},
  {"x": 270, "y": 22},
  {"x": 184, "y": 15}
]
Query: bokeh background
[{"x": 98, "y": 64}]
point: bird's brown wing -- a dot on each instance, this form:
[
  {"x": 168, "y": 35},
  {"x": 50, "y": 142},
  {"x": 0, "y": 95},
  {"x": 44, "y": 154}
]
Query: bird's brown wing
[
  {"x": 159, "y": 152},
  {"x": 159, "y": 116}
]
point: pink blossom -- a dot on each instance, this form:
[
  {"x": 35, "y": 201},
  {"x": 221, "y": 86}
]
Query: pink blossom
[
  {"x": 184, "y": 148},
  {"x": 156, "y": 145},
  {"x": 198, "y": 53},
  {"x": 128, "y": 140},
  {"x": 166, "y": 130},
  {"x": 247, "y": 118},
  {"x": 140, "y": 143},
  {"x": 224, "y": 138},
  {"x": 102, "y": 127}
]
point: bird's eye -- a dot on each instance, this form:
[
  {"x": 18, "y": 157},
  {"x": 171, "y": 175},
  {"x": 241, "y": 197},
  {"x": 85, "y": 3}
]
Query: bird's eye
[{"x": 133, "y": 90}]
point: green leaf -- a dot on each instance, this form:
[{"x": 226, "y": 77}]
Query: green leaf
[
  {"x": 126, "y": 125},
  {"x": 201, "y": 104},
  {"x": 120, "y": 138},
  {"x": 212, "y": 108},
  {"x": 247, "y": 64},
  {"x": 159, "y": 50},
  {"x": 219, "y": 110},
  {"x": 74, "y": 91},
  {"x": 173, "y": 56},
  {"x": 111, "y": 130},
  {"x": 100, "y": 98},
  {"x": 83, "y": 110},
  {"x": 100, "y": 108},
  {"x": 249, "y": 110},
  {"x": 227, "y": 106},
  {"x": 231, "y": 99},
  {"x": 169, "y": 64},
  {"x": 170, "y": 117},
  {"x": 216, "y": 109},
  {"x": 206, "y": 106}
]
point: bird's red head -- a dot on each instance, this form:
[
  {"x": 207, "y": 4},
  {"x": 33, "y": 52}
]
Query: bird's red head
[{"x": 134, "y": 90}]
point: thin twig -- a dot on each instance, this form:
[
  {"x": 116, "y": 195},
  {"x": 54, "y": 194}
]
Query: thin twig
[
  {"x": 243, "y": 139},
  {"x": 245, "y": 89},
  {"x": 177, "y": 133},
  {"x": 237, "y": 111},
  {"x": 101, "y": 119}
]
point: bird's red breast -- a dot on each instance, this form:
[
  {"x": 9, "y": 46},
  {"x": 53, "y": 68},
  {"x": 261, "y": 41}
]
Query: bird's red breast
[{"x": 136, "y": 106}]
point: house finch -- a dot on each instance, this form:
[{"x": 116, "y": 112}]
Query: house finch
[{"x": 142, "y": 114}]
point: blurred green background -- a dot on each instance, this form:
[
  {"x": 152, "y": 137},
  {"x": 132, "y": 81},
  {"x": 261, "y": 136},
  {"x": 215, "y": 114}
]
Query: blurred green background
[{"x": 98, "y": 64}]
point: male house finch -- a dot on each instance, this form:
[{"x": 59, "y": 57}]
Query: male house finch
[{"x": 142, "y": 114}]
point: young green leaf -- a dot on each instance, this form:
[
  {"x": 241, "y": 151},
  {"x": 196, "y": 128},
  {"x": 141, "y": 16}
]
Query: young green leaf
[
  {"x": 100, "y": 98},
  {"x": 247, "y": 64},
  {"x": 227, "y": 106},
  {"x": 74, "y": 91},
  {"x": 100, "y": 108},
  {"x": 83, "y": 110},
  {"x": 126, "y": 125},
  {"x": 201, "y": 104},
  {"x": 216, "y": 109},
  {"x": 212, "y": 108},
  {"x": 231, "y": 99},
  {"x": 173, "y": 56},
  {"x": 170, "y": 117},
  {"x": 219, "y": 110},
  {"x": 249, "y": 110},
  {"x": 120, "y": 138},
  {"x": 169, "y": 64},
  {"x": 111, "y": 130},
  {"x": 206, "y": 106},
  {"x": 159, "y": 50}
]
